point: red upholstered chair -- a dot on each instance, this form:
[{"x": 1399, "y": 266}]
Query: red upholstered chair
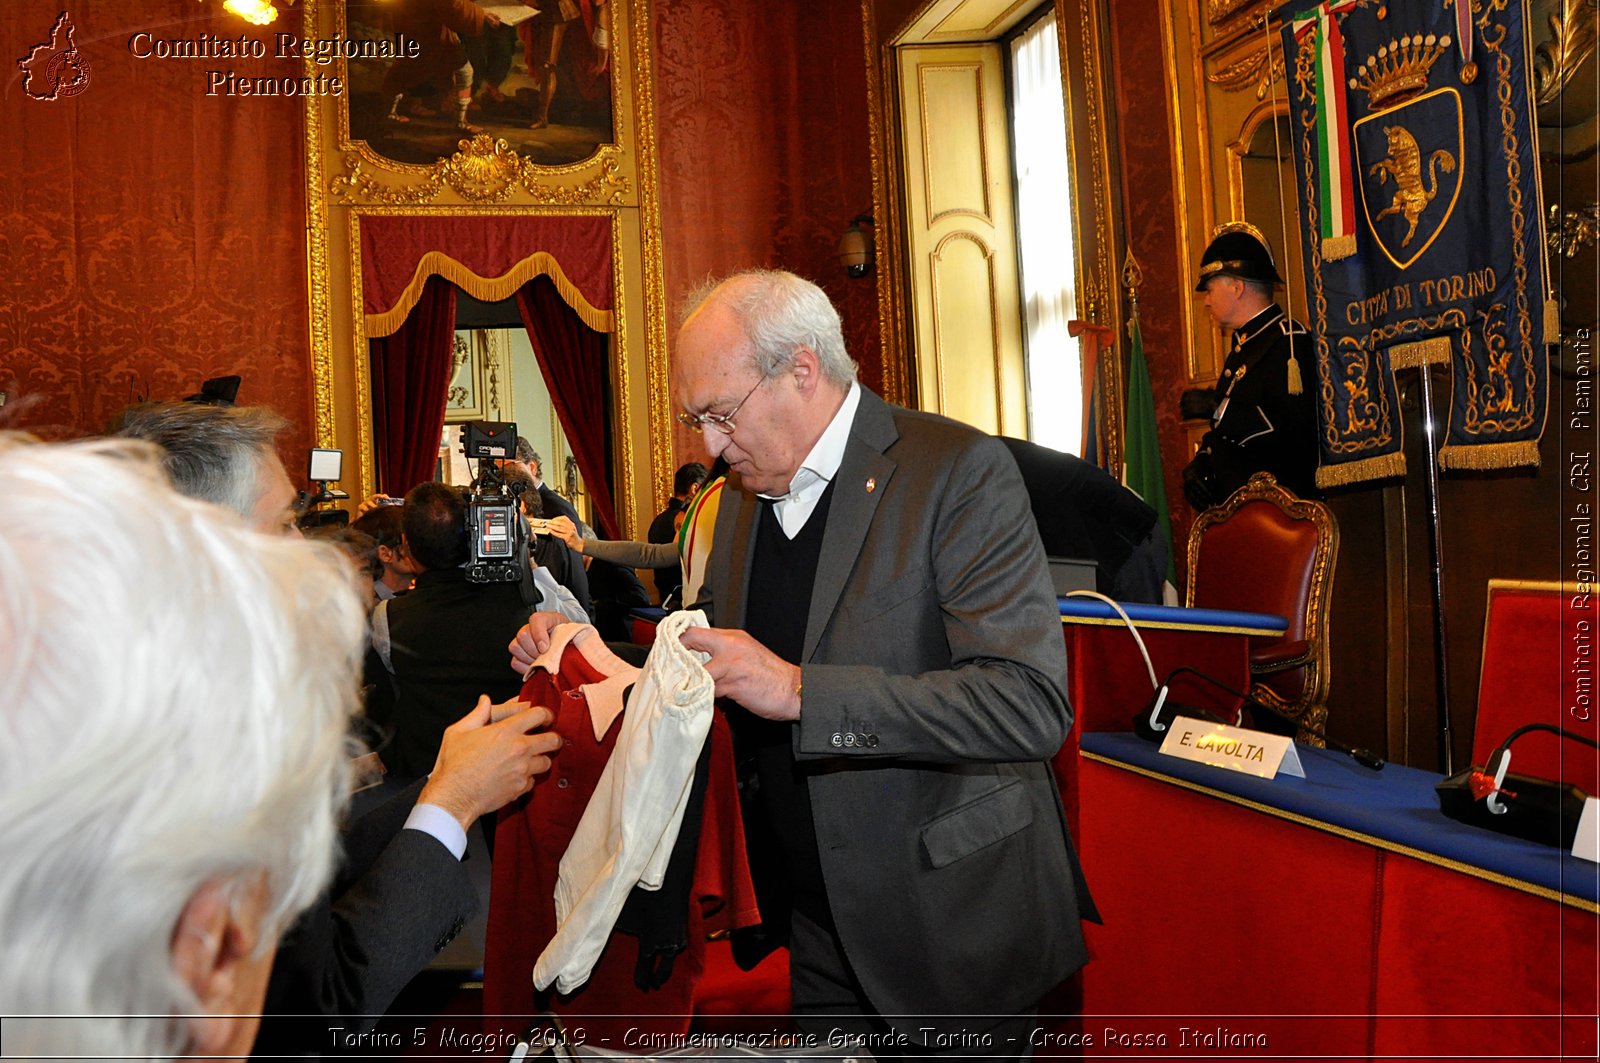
[
  {"x": 1266, "y": 551},
  {"x": 1538, "y": 667}
]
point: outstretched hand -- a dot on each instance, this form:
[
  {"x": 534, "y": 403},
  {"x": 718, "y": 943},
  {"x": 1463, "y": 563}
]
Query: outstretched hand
[
  {"x": 563, "y": 528},
  {"x": 483, "y": 764}
]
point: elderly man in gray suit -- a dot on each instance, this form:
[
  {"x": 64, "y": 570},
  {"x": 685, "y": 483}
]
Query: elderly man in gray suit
[{"x": 885, "y": 617}]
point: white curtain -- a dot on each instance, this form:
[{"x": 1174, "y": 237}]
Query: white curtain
[{"x": 1044, "y": 236}]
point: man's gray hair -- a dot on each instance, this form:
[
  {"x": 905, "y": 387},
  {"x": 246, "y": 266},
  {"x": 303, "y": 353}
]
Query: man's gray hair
[
  {"x": 206, "y": 747},
  {"x": 781, "y": 312},
  {"x": 213, "y": 453},
  {"x": 1261, "y": 288}
]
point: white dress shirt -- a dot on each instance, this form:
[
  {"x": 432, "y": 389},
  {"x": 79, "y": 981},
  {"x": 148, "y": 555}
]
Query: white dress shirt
[{"x": 795, "y": 506}]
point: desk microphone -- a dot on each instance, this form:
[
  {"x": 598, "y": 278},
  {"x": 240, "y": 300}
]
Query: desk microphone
[
  {"x": 1152, "y": 721},
  {"x": 1364, "y": 757}
]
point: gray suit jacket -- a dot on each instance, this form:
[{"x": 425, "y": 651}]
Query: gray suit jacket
[{"x": 934, "y": 678}]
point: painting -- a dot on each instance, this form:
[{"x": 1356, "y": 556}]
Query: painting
[{"x": 432, "y": 73}]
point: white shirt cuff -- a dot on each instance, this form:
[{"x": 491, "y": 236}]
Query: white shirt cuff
[{"x": 433, "y": 820}]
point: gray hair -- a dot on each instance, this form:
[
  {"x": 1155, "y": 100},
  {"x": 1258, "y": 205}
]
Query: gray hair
[
  {"x": 781, "y": 312},
  {"x": 1261, "y": 288},
  {"x": 207, "y": 748},
  {"x": 213, "y": 453}
]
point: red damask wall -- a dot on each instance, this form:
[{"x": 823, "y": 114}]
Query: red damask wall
[
  {"x": 762, "y": 123},
  {"x": 150, "y": 236},
  {"x": 1150, "y": 217}
]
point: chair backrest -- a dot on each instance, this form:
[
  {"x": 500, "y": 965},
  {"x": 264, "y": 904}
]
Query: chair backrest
[
  {"x": 1264, "y": 550},
  {"x": 1538, "y": 667}
]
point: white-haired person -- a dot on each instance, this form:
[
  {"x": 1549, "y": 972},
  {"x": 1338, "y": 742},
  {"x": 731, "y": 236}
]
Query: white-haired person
[{"x": 169, "y": 800}]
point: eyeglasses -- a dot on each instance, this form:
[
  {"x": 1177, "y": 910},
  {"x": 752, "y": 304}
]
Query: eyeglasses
[{"x": 722, "y": 422}]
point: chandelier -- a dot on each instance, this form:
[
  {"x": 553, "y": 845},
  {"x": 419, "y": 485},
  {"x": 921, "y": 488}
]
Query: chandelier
[{"x": 255, "y": 12}]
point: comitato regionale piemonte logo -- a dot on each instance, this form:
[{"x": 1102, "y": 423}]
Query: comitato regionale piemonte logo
[{"x": 55, "y": 69}]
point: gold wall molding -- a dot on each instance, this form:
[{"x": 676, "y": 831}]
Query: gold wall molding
[
  {"x": 1083, "y": 73},
  {"x": 484, "y": 171},
  {"x": 1569, "y": 231},
  {"x": 1260, "y": 68},
  {"x": 322, "y": 382},
  {"x": 1573, "y": 32},
  {"x": 647, "y": 246},
  {"x": 1220, "y": 11},
  {"x": 891, "y": 308}
]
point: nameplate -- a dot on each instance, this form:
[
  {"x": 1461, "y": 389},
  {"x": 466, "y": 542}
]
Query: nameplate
[
  {"x": 1235, "y": 748},
  {"x": 1586, "y": 846}
]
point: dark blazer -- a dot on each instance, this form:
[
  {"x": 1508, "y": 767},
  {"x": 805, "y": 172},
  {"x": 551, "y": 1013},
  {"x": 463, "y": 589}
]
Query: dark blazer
[
  {"x": 934, "y": 677},
  {"x": 447, "y": 639},
  {"x": 398, "y": 897},
  {"x": 555, "y": 505}
]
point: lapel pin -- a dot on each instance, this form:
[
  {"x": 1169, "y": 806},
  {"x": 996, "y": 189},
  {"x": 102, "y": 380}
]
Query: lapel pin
[{"x": 872, "y": 485}]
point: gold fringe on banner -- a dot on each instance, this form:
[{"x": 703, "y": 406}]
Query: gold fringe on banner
[
  {"x": 1490, "y": 455},
  {"x": 1337, "y": 247},
  {"x": 1435, "y": 351},
  {"x": 1552, "y": 321},
  {"x": 487, "y": 289},
  {"x": 1349, "y": 472}
]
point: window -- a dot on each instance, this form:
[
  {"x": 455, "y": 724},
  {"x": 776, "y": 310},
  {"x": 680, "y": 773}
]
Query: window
[{"x": 1045, "y": 237}]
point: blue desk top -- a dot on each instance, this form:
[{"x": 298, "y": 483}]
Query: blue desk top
[
  {"x": 1395, "y": 808},
  {"x": 1093, "y": 609}
]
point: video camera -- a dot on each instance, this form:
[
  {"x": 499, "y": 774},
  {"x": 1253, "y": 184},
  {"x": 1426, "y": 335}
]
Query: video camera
[{"x": 497, "y": 535}]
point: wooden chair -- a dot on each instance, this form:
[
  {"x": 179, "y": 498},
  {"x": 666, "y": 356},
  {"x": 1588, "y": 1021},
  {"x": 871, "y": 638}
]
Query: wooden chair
[{"x": 1266, "y": 551}]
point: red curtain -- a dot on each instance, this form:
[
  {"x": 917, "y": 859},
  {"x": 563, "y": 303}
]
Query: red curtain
[
  {"x": 481, "y": 252},
  {"x": 410, "y": 372},
  {"x": 572, "y": 357}
]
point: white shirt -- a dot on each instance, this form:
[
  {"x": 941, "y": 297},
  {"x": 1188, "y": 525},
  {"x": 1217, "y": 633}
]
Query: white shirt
[{"x": 795, "y": 506}]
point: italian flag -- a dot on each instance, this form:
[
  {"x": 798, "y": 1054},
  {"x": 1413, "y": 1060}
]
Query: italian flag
[{"x": 1337, "y": 189}]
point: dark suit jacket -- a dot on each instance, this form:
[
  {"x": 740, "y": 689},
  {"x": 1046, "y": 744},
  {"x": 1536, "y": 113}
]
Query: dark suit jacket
[
  {"x": 935, "y": 693},
  {"x": 397, "y": 899},
  {"x": 555, "y": 505},
  {"x": 1083, "y": 512},
  {"x": 448, "y": 641}
]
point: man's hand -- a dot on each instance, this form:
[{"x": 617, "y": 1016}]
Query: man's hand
[
  {"x": 533, "y": 639},
  {"x": 500, "y": 711},
  {"x": 484, "y": 765},
  {"x": 562, "y": 528},
  {"x": 372, "y": 502},
  {"x": 748, "y": 672}
]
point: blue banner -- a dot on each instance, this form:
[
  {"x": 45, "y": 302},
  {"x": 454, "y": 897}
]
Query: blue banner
[{"x": 1448, "y": 258}]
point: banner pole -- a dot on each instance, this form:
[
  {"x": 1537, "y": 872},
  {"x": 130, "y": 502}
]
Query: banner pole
[{"x": 1436, "y": 548}]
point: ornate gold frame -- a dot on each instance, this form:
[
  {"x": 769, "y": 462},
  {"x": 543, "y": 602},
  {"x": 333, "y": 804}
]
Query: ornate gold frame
[
  {"x": 1311, "y": 707},
  {"x": 346, "y": 181}
]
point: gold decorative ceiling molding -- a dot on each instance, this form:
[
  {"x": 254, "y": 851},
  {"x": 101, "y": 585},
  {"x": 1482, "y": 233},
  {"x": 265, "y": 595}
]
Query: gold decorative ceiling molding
[
  {"x": 1220, "y": 11},
  {"x": 484, "y": 171},
  {"x": 1252, "y": 69}
]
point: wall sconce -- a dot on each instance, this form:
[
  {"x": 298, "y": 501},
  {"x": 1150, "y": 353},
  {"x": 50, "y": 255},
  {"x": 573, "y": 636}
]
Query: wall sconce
[{"x": 855, "y": 247}]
